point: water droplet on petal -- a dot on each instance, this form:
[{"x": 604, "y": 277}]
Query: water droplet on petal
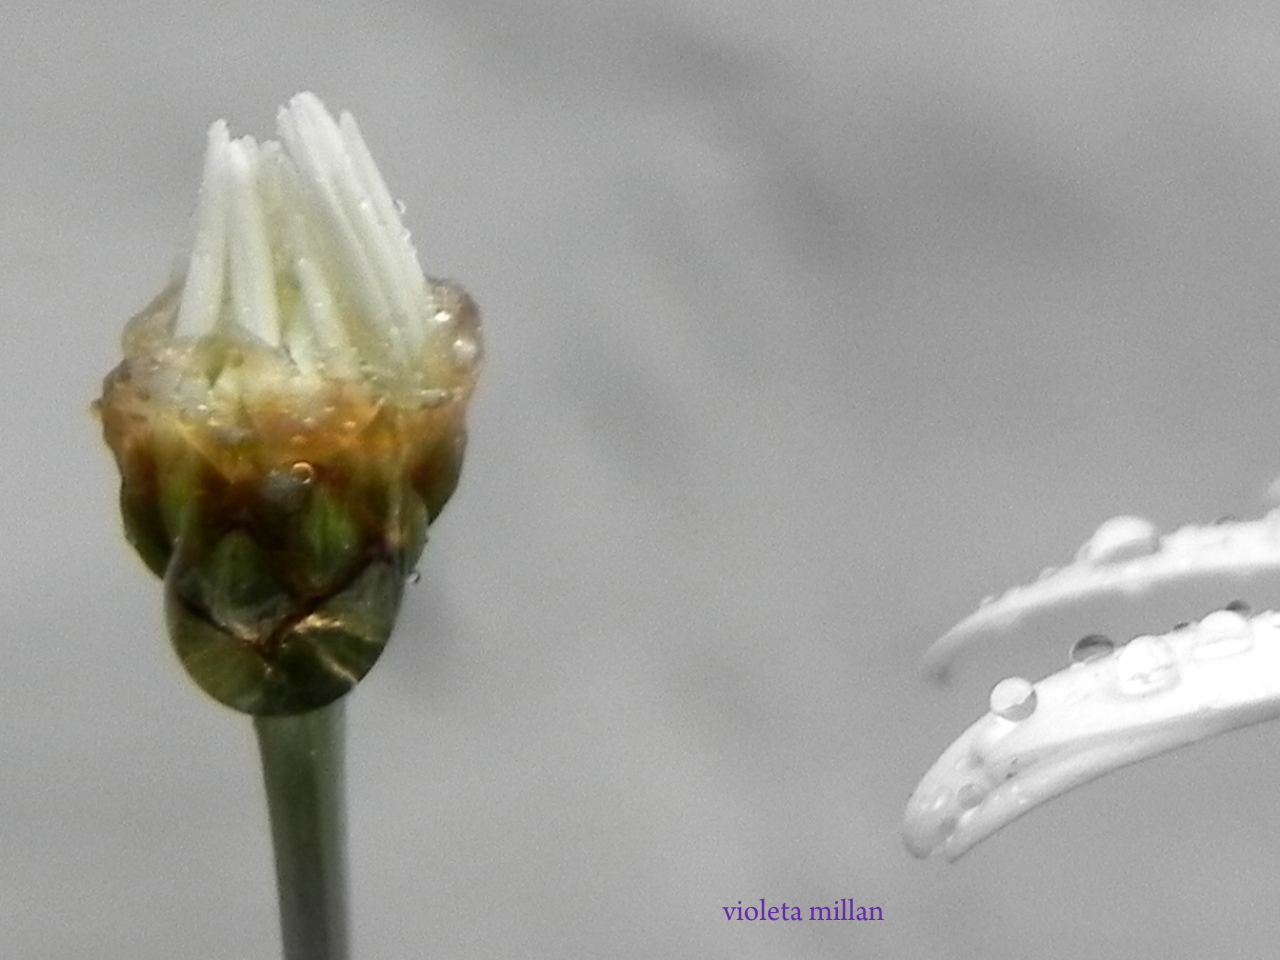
[
  {"x": 303, "y": 472},
  {"x": 971, "y": 795},
  {"x": 1013, "y": 699},
  {"x": 1145, "y": 666},
  {"x": 1222, "y": 634},
  {"x": 400, "y": 207},
  {"x": 1093, "y": 647},
  {"x": 931, "y": 819},
  {"x": 1120, "y": 538}
]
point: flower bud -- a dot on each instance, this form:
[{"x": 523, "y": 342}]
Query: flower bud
[{"x": 289, "y": 417}]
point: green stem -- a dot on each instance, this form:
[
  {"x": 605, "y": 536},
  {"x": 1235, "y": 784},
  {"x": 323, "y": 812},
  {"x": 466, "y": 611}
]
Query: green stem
[{"x": 302, "y": 765}]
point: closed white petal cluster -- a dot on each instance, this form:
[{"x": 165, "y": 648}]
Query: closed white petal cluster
[{"x": 298, "y": 253}]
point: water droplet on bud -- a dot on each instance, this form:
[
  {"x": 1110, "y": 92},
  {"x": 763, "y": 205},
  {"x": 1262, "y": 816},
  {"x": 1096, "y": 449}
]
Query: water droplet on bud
[
  {"x": 463, "y": 350},
  {"x": 303, "y": 472},
  {"x": 433, "y": 398}
]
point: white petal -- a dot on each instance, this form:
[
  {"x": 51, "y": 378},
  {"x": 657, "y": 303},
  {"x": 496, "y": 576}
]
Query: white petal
[
  {"x": 202, "y": 292},
  {"x": 253, "y": 288},
  {"x": 1150, "y": 696},
  {"x": 1127, "y": 576}
]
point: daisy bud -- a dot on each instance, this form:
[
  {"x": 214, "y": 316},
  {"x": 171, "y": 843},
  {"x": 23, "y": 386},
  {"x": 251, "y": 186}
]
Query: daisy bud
[{"x": 288, "y": 417}]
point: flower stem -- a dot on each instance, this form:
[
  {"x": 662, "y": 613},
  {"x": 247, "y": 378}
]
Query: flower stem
[{"x": 302, "y": 766}]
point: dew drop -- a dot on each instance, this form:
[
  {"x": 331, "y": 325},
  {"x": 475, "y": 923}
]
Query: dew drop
[
  {"x": 1146, "y": 666},
  {"x": 464, "y": 349},
  {"x": 1120, "y": 538},
  {"x": 400, "y": 207},
  {"x": 1013, "y": 699},
  {"x": 433, "y": 398},
  {"x": 303, "y": 472},
  {"x": 1238, "y": 606},
  {"x": 414, "y": 576},
  {"x": 971, "y": 795},
  {"x": 1222, "y": 634},
  {"x": 286, "y": 487},
  {"x": 1093, "y": 647},
  {"x": 930, "y": 821}
]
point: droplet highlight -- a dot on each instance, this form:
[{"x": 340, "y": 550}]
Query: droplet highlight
[
  {"x": 1146, "y": 666},
  {"x": 414, "y": 576},
  {"x": 1013, "y": 699}
]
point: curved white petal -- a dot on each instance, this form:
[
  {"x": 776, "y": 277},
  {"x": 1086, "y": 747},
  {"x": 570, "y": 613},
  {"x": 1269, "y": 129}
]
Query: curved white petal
[
  {"x": 1152, "y": 695},
  {"x": 1127, "y": 575}
]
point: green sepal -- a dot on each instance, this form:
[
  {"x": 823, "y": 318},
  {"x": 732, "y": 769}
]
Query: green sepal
[
  {"x": 325, "y": 542},
  {"x": 303, "y": 664}
]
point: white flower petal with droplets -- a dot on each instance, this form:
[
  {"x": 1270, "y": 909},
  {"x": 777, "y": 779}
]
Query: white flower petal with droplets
[
  {"x": 1150, "y": 696},
  {"x": 1126, "y": 576}
]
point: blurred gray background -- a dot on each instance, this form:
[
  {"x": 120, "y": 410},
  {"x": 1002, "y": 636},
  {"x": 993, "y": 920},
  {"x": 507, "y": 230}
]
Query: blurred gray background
[{"x": 809, "y": 323}]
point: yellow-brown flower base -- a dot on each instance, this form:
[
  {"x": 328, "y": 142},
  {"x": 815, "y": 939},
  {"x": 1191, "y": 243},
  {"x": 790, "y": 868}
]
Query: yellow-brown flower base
[{"x": 283, "y": 519}]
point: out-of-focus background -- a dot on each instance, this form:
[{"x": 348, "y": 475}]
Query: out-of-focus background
[{"x": 809, "y": 323}]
